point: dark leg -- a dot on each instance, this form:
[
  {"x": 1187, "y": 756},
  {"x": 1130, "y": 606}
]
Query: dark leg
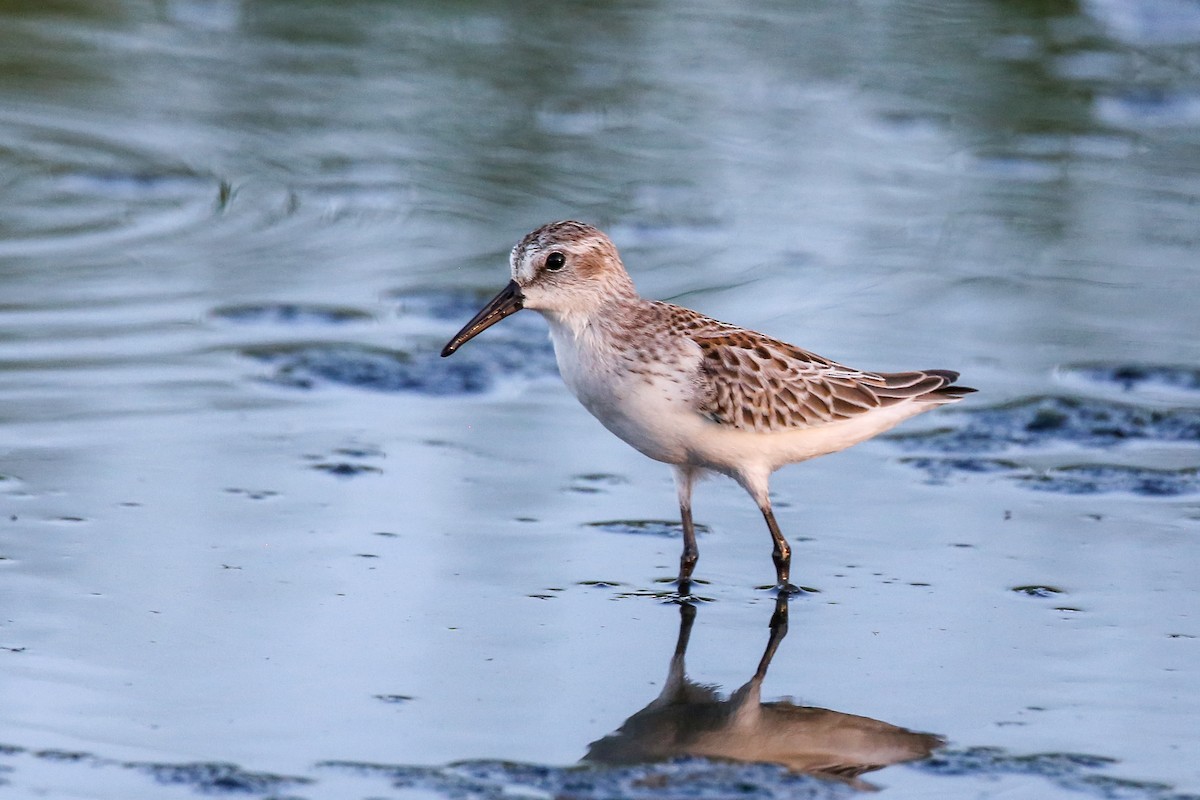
[
  {"x": 755, "y": 482},
  {"x": 691, "y": 553},
  {"x": 781, "y": 554}
]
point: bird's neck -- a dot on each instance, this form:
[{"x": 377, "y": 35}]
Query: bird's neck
[{"x": 592, "y": 325}]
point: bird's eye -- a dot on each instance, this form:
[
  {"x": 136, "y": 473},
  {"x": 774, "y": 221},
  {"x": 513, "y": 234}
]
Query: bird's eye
[{"x": 555, "y": 261}]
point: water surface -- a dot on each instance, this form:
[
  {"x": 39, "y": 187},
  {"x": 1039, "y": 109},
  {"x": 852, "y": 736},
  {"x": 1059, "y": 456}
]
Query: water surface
[{"x": 256, "y": 538}]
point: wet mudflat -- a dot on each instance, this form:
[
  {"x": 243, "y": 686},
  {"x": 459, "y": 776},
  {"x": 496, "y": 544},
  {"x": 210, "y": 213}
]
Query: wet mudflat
[{"x": 257, "y": 539}]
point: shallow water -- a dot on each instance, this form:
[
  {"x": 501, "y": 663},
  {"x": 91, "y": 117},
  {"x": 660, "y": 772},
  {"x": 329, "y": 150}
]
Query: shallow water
[{"x": 257, "y": 538}]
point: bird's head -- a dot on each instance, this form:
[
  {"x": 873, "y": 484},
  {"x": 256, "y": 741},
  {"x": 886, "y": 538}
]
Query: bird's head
[{"x": 563, "y": 269}]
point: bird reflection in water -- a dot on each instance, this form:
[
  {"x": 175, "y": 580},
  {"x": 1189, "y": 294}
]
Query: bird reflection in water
[{"x": 691, "y": 719}]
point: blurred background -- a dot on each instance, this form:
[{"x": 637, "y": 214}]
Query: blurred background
[{"x": 250, "y": 522}]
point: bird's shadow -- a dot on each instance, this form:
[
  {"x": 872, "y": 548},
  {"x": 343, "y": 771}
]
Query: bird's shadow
[{"x": 690, "y": 719}]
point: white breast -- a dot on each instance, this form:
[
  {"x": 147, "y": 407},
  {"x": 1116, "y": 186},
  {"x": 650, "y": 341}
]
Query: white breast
[{"x": 648, "y": 405}]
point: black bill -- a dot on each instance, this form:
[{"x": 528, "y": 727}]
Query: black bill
[{"x": 509, "y": 301}]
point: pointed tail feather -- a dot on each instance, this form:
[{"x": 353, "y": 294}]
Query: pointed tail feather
[
  {"x": 947, "y": 392},
  {"x": 922, "y": 386}
]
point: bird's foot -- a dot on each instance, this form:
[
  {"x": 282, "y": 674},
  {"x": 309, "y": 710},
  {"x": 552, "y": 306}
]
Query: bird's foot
[
  {"x": 788, "y": 590},
  {"x": 685, "y": 591}
]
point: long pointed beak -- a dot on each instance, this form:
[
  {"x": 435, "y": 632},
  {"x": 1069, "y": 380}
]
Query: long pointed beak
[{"x": 509, "y": 301}]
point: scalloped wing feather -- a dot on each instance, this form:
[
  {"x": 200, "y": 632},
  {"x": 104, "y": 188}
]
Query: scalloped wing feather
[{"x": 752, "y": 382}]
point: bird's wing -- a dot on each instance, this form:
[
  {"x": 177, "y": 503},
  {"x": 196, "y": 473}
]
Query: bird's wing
[{"x": 752, "y": 382}]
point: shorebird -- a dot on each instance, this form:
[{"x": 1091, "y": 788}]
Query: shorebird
[{"x": 698, "y": 394}]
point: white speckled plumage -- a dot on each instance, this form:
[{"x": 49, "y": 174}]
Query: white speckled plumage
[{"x": 696, "y": 393}]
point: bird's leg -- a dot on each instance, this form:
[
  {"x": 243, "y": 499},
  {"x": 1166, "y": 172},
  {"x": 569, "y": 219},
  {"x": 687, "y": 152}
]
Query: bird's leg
[
  {"x": 756, "y": 483},
  {"x": 691, "y": 553},
  {"x": 781, "y": 554},
  {"x": 684, "y": 478}
]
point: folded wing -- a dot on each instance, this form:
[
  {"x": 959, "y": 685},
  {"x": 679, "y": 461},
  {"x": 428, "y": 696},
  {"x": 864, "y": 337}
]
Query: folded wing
[{"x": 752, "y": 382}]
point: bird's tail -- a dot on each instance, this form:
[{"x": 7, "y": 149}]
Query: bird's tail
[{"x": 947, "y": 391}]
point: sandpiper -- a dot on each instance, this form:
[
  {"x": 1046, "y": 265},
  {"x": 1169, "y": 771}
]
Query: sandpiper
[{"x": 687, "y": 390}]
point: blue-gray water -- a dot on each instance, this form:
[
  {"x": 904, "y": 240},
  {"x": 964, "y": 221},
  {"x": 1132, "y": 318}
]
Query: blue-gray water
[{"x": 256, "y": 538}]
